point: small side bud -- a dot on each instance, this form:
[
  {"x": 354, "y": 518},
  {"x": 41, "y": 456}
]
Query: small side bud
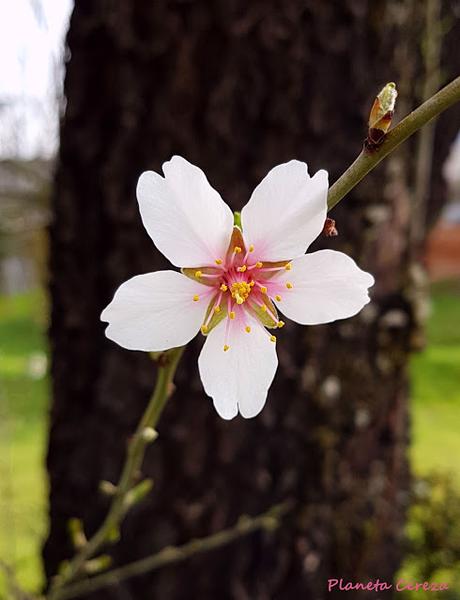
[
  {"x": 77, "y": 534},
  {"x": 113, "y": 534},
  {"x": 107, "y": 488},
  {"x": 96, "y": 565},
  {"x": 138, "y": 492},
  {"x": 329, "y": 229},
  {"x": 63, "y": 568},
  {"x": 149, "y": 435},
  {"x": 381, "y": 115}
]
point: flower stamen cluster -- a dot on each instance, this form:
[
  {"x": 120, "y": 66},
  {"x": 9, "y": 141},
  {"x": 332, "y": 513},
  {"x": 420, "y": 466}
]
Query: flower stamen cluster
[{"x": 240, "y": 288}]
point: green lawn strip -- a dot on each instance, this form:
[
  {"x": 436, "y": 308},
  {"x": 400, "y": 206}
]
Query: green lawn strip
[
  {"x": 435, "y": 414},
  {"x": 23, "y": 401}
]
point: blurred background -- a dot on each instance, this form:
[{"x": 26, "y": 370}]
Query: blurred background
[{"x": 32, "y": 100}]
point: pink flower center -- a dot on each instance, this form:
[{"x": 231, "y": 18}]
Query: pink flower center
[{"x": 240, "y": 287}]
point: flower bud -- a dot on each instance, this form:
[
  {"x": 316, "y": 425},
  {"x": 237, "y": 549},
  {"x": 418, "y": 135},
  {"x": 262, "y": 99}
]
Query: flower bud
[
  {"x": 149, "y": 434},
  {"x": 381, "y": 115},
  {"x": 138, "y": 492},
  {"x": 98, "y": 564},
  {"x": 107, "y": 488},
  {"x": 75, "y": 527}
]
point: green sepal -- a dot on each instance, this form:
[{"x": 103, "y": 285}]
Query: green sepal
[
  {"x": 236, "y": 240},
  {"x": 216, "y": 317},
  {"x": 263, "y": 315},
  {"x": 190, "y": 272},
  {"x": 280, "y": 264}
]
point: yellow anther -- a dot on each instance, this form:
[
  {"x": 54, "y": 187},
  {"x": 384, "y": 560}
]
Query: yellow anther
[
  {"x": 196, "y": 298},
  {"x": 288, "y": 267},
  {"x": 280, "y": 324},
  {"x": 251, "y": 248},
  {"x": 218, "y": 261},
  {"x": 263, "y": 307},
  {"x": 223, "y": 288},
  {"x": 226, "y": 348},
  {"x": 273, "y": 338},
  {"x": 198, "y": 274},
  {"x": 263, "y": 289},
  {"x": 204, "y": 329},
  {"x": 248, "y": 329},
  {"x": 242, "y": 269},
  {"x": 217, "y": 309},
  {"x": 251, "y": 284},
  {"x": 231, "y": 314},
  {"x": 278, "y": 298},
  {"x": 240, "y": 291},
  {"x": 259, "y": 264},
  {"x": 289, "y": 285},
  {"x": 237, "y": 250}
]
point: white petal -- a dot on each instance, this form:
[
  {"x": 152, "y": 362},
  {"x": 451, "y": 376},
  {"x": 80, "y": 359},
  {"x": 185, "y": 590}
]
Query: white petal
[
  {"x": 327, "y": 285},
  {"x": 155, "y": 311},
  {"x": 240, "y": 377},
  {"x": 186, "y": 218},
  {"x": 286, "y": 212}
]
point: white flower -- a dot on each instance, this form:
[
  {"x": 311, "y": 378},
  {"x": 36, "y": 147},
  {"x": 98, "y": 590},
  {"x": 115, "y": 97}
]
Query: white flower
[{"x": 233, "y": 280}]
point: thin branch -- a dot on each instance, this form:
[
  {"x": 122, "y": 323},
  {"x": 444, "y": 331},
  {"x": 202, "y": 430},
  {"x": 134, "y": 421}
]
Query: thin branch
[
  {"x": 368, "y": 159},
  {"x": 167, "y": 365},
  {"x": 268, "y": 521}
]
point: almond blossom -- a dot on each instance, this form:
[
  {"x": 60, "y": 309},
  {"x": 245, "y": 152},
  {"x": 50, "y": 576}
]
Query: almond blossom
[{"x": 234, "y": 280}]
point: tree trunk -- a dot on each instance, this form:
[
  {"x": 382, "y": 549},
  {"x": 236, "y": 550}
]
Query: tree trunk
[{"x": 236, "y": 88}]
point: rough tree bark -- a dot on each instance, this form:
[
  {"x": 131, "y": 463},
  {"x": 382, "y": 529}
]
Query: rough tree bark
[{"x": 235, "y": 87}]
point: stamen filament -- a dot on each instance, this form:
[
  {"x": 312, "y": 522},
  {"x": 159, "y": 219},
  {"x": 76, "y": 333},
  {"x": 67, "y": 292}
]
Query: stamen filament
[
  {"x": 227, "y": 330},
  {"x": 271, "y": 314},
  {"x": 201, "y": 275},
  {"x": 198, "y": 297},
  {"x": 271, "y": 269},
  {"x": 248, "y": 251},
  {"x": 217, "y": 307},
  {"x": 257, "y": 265},
  {"x": 262, "y": 288}
]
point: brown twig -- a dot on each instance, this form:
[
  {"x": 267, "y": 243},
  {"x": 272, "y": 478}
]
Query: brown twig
[{"x": 268, "y": 521}]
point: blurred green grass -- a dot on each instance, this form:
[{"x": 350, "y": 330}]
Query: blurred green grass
[
  {"x": 23, "y": 407},
  {"x": 24, "y": 391},
  {"x": 435, "y": 376}
]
